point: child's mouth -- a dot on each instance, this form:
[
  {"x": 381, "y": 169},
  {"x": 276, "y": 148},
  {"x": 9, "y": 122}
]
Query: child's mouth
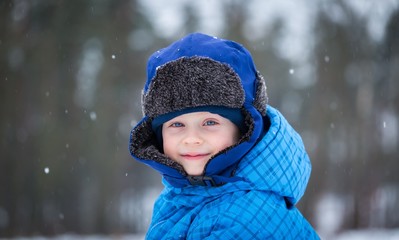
[{"x": 195, "y": 156}]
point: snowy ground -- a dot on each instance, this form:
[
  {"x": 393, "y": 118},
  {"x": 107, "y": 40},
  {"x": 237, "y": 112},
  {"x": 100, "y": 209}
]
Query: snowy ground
[{"x": 371, "y": 234}]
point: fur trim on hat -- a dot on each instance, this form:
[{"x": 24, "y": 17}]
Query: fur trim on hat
[{"x": 192, "y": 82}]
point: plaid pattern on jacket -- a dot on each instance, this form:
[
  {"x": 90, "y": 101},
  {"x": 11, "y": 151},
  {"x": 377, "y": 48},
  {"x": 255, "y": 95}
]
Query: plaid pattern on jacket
[{"x": 260, "y": 206}]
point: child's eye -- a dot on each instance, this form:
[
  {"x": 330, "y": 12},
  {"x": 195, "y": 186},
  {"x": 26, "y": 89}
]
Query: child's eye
[
  {"x": 210, "y": 123},
  {"x": 177, "y": 124}
]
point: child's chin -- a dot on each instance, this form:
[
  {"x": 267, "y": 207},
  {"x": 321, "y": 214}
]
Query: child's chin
[{"x": 194, "y": 172}]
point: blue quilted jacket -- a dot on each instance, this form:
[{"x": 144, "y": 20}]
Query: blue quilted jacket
[{"x": 261, "y": 205}]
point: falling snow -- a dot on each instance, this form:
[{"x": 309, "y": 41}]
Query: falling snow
[{"x": 93, "y": 116}]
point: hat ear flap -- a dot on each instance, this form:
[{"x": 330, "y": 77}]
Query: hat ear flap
[{"x": 261, "y": 98}]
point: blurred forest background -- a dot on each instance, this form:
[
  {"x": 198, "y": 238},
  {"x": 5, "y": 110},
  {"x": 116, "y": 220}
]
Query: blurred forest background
[{"x": 71, "y": 74}]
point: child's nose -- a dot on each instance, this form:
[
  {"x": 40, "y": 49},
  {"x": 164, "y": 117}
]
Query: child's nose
[{"x": 193, "y": 137}]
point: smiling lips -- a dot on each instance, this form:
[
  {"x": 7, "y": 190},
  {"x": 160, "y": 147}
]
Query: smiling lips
[{"x": 194, "y": 156}]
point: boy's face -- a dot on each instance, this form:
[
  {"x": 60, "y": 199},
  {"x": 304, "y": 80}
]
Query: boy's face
[{"x": 192, "y": 139}]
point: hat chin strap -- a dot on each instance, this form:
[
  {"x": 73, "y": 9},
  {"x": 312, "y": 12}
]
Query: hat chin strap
[{"x": 211, "y": 181}]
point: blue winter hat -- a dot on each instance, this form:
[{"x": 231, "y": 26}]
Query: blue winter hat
[
  {"x": 200, "y": 72},
  {"x": 212, "y": 66}
]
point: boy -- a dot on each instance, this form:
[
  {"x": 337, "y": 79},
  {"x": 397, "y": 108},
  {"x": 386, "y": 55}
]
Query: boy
[{"x": 233, "y": 168}]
